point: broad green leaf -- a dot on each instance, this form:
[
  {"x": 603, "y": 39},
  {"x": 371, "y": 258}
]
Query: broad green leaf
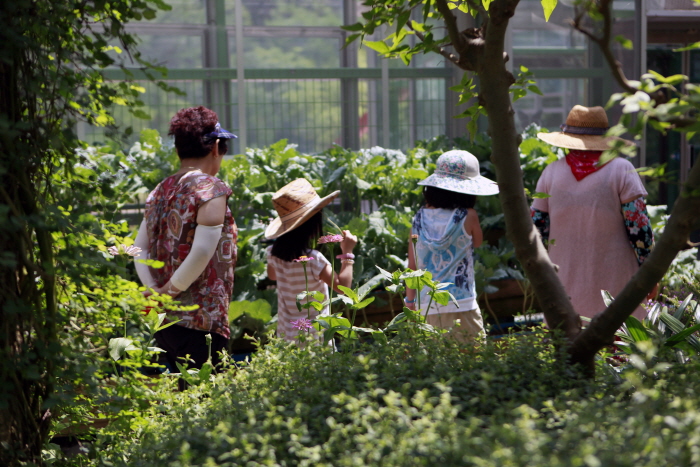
[
  {"x": 364, "y": 289},
  {"x": 442, "y": 297},
  {"x": 378, "y": 46},
  {"x": 259, "y": 309},
  {"x": 118, "y": 346},
  {"x": 418, "y": 174},
  {"x": 636, "y": 330}
]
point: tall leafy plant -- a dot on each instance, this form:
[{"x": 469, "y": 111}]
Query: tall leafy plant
[{"x": 51, "y": 54}]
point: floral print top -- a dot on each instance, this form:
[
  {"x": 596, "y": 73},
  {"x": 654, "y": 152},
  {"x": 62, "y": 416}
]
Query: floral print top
[
  {"x": 446, "y": 250},
  {"x": 638, "y": 228},
  {"x": 171, "y": 217}
]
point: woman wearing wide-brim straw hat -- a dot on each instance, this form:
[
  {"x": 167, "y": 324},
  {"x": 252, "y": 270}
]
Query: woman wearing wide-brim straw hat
[
  {"x": 298, "y": 226},
  {"x": 595, "y": 221}
]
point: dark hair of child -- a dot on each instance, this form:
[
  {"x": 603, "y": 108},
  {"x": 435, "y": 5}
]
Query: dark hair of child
[
  {"x": 298, "y": 242},
  {"x": 445, "y": 199},
  {"x": 189, "y": 126}
]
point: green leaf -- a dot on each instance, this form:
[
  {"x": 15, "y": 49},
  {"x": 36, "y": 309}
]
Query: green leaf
[
  {"x": 118, "y": 346},
  {"x": 607, "y": 297},
  {"x": 696, "y": 45},
  {"x": 259, "y": 309},
  {"x": 548, "y": 6},
  {"x": 636, "y": 330},
  {"x": 535, "y": 89},
  {"x": 681, "y": 336},
  {"x": 418, "y": 174},
  {"x": 378, "y": 46},
  {"x": 363, "y": 303},
  {"x": 349, "y": 292},
  {"x": 442, "y": 297},
  {"x": 624, "y": 42},
  {"x": 353, "y": 27}
]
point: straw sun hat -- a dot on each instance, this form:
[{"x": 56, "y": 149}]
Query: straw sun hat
[
  {"x": 458, "y": 171},
  {"x": 295, "y": 203},
  {"x": 584, "y": 129}
]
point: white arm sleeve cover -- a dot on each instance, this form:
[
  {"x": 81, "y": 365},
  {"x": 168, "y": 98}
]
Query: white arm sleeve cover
[
  {"x": 205, "y": 242},
  {"x": 142, "y": 269}
]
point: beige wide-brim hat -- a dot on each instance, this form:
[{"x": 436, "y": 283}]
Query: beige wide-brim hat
[
  {"x": 584, "y": 129},
  {"x": 295, "y": 203}
]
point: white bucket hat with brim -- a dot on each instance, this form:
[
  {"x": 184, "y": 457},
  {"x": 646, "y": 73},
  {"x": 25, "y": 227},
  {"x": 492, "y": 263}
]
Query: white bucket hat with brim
[
  {"x": 295, "y": 203},
  {"x": 458, "y": 171},
  {"x": 584, "y": 129}
]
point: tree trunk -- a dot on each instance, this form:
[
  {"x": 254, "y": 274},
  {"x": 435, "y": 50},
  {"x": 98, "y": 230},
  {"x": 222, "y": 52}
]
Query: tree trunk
[{"x": 495, "y": 82}]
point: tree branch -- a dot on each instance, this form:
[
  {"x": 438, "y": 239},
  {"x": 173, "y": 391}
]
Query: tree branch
[
  {"x": 451, "y": 23},
  {"x": 603, "y": 42},
  {"x": 441, "y": 50}
]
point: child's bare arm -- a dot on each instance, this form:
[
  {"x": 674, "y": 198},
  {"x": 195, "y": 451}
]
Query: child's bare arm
[
  {"x": 344, "y": 276},
  {"x": 410, "y": 300},
  {"x": 473, "y": 228},
  {"x": 271, "y": 274}
]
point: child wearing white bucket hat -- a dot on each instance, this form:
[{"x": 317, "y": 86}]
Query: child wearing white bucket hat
[
  {"x": 447, "y": 230},
  {"x": 298, "y": 225}
]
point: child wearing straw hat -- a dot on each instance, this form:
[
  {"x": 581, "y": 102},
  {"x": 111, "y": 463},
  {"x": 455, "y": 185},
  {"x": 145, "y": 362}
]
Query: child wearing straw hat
[
  {"x": 595, "y": 220},
  {"x": 447, "y": 230},
  {"x": 298, "y": 225}
]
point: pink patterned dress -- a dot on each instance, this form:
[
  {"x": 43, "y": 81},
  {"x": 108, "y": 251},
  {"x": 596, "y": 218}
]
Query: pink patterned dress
[{"x": 171, "y": 216}]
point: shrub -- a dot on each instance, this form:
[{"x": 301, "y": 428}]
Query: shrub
[{"x": 420, "y": 402}]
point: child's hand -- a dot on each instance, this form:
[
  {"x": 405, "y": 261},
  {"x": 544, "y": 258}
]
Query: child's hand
[{"x": 348, "y": 243}]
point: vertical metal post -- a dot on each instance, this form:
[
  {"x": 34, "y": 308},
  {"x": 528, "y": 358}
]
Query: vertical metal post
[
  {"x": 641, "y": 63},
  {"x": 386, "y": 129},
  {"x": 240, "y": 79},
  {"x": 373, "y": 107},
  {"x": 685, "y": 146},
  {"x": 217, "y": 92},
  {"x": 349, "y": 92}
]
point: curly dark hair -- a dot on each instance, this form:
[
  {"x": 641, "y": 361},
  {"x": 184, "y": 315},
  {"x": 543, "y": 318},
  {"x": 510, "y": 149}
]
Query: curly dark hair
[
  {"x": 445, "y": 199},
  {"x": 298, "y": 242},
  {"x": 189, "y": 126}
]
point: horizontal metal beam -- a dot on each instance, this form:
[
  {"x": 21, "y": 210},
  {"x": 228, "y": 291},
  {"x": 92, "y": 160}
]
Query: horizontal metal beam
[
  {"x": 165, "y": 29},
  {"x": 284, "y": 73},
  {"x": 517, "y": 51},
  {"x": 338, "y": 73},
  {"x": 553, "y": 73}
]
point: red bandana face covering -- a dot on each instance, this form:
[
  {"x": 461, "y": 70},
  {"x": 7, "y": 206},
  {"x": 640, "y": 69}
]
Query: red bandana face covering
[{"x": 583, "y": 163}]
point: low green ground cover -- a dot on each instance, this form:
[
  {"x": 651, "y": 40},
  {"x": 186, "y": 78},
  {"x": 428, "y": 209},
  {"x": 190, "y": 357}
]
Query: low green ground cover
[{"x": 420, "y": 401}]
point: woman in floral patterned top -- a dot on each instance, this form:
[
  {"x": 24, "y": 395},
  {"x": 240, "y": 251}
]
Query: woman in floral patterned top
[{"x": 189, "y": 227}]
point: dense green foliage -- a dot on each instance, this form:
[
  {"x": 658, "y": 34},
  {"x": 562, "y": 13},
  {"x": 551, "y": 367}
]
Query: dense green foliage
[
  {"x": 420, "y": 402},
  {"x": 51, "y": 239}
]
